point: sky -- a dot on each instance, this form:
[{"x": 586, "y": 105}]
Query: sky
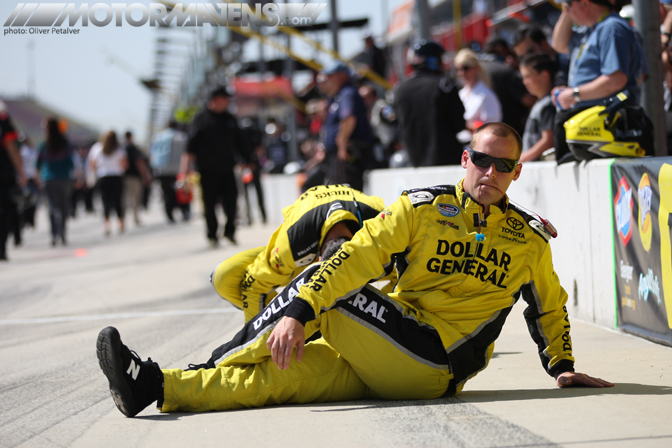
[{"x": 73, "y": 73}]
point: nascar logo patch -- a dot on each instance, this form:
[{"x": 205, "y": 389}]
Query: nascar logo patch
[{"x": 448, "y": 210}]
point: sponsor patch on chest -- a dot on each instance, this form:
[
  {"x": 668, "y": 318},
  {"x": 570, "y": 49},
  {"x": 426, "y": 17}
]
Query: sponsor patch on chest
[{"x": 448, "y": 210}]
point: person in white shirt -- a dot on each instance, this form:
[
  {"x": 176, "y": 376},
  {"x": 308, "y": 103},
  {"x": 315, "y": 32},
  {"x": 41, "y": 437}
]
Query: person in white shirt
[
  {"x": 109, "y": 161},
  {"x": 481, "y": 105}
]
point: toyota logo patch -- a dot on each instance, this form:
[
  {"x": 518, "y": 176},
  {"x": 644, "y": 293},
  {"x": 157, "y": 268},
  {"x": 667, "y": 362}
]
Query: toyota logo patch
[{"x": 514, "y": 223}]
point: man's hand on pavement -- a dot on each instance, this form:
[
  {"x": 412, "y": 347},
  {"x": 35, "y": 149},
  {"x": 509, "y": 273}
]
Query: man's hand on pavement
[
  {"x": 571, "y": 379},
  {"x": 289, "y": 333}
]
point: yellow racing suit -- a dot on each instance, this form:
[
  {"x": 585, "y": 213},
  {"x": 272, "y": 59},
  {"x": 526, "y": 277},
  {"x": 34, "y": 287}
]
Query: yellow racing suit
[
  {"x": 426, "y": 338},
  {"x": 248, "y": 280},
  {"x": 462, "y": 288}
]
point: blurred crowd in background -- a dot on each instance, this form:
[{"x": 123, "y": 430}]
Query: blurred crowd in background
[{"x": 347, "y": 126}]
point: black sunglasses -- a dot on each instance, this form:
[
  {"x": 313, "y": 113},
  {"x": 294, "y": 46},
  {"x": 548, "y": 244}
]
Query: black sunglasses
[{"x": 484, "y": 161}]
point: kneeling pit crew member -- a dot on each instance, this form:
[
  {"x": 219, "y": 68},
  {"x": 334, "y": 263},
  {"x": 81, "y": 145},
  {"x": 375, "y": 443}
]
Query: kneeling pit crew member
[{"x": 321, "y": 214}]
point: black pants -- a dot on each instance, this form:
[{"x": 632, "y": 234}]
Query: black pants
[
  {"x": 7, "y": 214},
  {"x": 170, "y": 198},
  {"x": 59, "y": 192},
  {"x": 15, "y": 225},
  {"x": 256, "y": 181},
  {"x": 81, "y": 194},
  {"x": 218, "y": 186},
  {"x": 30, "y": 205},
  {"x": 111, "y": 191}
]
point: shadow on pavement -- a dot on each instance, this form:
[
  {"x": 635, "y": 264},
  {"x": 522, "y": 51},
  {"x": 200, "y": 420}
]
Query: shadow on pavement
[
  {"x": 623, "y": 439},
  {"x": 500, "y": 395},
  {"x": 464, "y": 398},
  {"x": 376, "y": 404},
  {"x": 167, "y": 417},
  {"x": 498, "y": 354},
  {"x": 537, "y": 394}
]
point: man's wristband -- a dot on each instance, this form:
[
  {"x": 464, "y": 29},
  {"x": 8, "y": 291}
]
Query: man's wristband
[
  {"x": 562, "y": 366},
  {"x": 300, "y": 310},
  {"x": 576, "y": 95}
]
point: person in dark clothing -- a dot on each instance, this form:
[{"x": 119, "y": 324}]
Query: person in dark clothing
[
  {"x": 147, "y": 185},
  {"x": 507, "y": 84},
  {"x": 275, "y": 142},
  {"x": 137, "y": 175},
  {"x": 383, "y": 121},
  {"x": 11, "y": 169},
  {"x": 429, "y": 110},
  {"x": 215, "y": 144},
  {"x": 374, "y": 57},
  {"x": 253, "y": 138},
  {"x": 56, "y": 172},
  {"x": 348, "y": 138}
]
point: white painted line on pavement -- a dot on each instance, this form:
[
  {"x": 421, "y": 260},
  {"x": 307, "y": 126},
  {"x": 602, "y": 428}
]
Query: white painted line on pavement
[{"x": 45, "y": 320}]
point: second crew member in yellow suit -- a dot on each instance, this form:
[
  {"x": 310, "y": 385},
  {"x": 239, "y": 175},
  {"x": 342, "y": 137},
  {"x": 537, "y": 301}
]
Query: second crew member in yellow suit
[
  {"x": 248, "y": 280},
  {"x": 464, "y": 255}
]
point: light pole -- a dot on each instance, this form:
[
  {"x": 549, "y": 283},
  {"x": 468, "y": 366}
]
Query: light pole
[
  {"x": 30, "y": 62},
  {"x": 334, "y": 25},
  {"x": 647, "y": 22}
]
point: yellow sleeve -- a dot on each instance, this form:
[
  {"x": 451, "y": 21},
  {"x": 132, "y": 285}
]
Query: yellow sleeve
[
  {"x": 272, "y": 268},
  {"x": 388, "y": 282},
  {"x": 367, "y": 256},
  {"x": 547, "y": 318}
]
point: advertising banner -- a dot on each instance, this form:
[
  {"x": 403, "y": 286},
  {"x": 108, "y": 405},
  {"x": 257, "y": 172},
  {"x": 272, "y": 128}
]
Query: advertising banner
[{"x": 642, "y": 216}]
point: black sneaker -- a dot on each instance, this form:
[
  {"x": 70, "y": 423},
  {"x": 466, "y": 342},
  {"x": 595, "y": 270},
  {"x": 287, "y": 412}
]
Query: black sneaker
[
  {"x": 134, "y": 384},
  {"x": 231, "y": 239}
]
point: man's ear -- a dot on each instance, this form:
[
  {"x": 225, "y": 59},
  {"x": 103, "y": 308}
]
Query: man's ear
[
  {"x": 465, "y": 158},
  {"x": 519, "y": 168}
]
